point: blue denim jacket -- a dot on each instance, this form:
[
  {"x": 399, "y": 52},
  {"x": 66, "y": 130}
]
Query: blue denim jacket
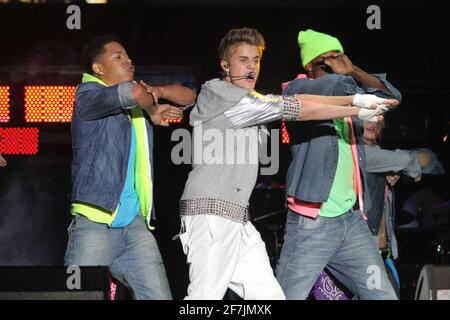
[
  {"x": 380, "y": 162},
  {"x": 314, "y": 144},
  {"x": 101, "y": 140}
]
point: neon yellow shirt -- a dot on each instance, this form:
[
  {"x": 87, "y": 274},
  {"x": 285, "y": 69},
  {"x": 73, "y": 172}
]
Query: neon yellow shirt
[{"x": 143, "y": 173}]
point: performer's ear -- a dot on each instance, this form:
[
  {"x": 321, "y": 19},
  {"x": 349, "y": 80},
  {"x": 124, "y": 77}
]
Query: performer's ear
[
  {"x": 308, "y": 67},
  {"x": 97, "y": 68},
  {"x": 225, "y": 65}
]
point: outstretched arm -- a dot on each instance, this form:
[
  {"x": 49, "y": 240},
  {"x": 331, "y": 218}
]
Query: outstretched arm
[
  {"x": 336, "y": 100},
  {"x": 315, "y": 107},
  {"x": 256, "y": 109},
  {"x": 319, "y": 111},
  {"x": 360, "y": 100},
  {"x": 95, "y": 101},
  {"x": 143, "y": 98},
  {"x": 176, "y": 93},
  {"x": 311, "y": 110}
]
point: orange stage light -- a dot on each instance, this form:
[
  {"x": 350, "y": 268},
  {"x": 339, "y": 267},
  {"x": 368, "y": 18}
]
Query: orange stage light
[
  {"x": 4, "y": 103},
  {"x": 177, "y": 120},
  {"x": 49, "y": 103},
  {"x": 284, "y": 134}
]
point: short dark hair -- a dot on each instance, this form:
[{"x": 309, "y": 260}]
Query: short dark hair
[
  {"x": 94, "y": 49},
  {"x": 243, "y": 35}
]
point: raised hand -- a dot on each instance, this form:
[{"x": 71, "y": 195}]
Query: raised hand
[{"x": 339, "y": 63}]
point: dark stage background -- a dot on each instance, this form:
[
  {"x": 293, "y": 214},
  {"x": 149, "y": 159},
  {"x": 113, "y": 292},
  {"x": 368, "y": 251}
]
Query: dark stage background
[{"x": 177, "y": 41}]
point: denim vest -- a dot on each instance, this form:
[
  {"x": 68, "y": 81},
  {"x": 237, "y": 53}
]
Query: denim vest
[
  {"x": 101, "y": 139},
  {"x": 314, "y": 144}
]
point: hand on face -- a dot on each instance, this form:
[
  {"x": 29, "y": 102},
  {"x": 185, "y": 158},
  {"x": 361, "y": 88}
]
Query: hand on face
[{"x": 338, "y": 62}]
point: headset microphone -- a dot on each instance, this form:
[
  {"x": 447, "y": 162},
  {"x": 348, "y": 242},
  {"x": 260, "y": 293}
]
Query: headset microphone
[{"x": 250, "y": 76}]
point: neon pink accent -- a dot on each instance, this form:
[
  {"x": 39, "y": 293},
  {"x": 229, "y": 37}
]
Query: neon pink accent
[
  {"x": 309, "y": 209},
  {"x": 386, "y": 192},
  {"x": 112, "y": 290},
  {"x": 299, "y": 76},
  {"x": 357, "y": 182}
]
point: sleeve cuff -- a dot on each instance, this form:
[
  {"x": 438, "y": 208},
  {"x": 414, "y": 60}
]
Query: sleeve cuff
[
  {"x": 393, "y": 92},
  {"x": 413, "y": 169},
  {"x": 125, "y": 97},
  {"x": 291, "y": 108},
  {"x": 379, "y": 76}
]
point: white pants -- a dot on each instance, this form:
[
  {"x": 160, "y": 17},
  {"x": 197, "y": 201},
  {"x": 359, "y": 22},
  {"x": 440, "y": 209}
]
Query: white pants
[{"x": 225, "y": 254}]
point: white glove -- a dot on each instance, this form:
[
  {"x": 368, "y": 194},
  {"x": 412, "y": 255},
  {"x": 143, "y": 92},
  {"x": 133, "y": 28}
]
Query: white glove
[
  {"x": 366, "y": 100},
  {"x": 371, "y": 115}
]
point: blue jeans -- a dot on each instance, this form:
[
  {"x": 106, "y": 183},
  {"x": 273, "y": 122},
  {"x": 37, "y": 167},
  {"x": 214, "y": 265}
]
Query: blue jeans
[
  {"x": 131, "y": 253},
  {"x": 343, "y": 243}
]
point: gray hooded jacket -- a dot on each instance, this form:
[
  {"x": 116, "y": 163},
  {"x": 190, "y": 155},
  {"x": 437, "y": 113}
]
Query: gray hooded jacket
[{"x": 225, "y": 146}]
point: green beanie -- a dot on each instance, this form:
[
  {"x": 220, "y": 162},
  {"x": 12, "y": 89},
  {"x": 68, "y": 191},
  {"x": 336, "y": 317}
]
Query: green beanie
[{"x": 313, "y": 43}]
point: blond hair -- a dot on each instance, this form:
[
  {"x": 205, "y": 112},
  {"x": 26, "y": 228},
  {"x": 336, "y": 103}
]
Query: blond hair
[{"x": 236, "y": 36}]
